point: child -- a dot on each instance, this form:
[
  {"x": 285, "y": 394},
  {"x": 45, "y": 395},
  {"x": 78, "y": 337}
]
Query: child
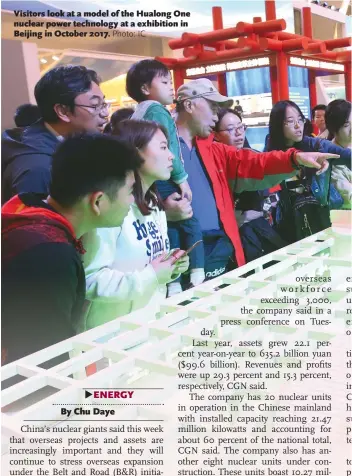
[{"x": 149, "y": 83}]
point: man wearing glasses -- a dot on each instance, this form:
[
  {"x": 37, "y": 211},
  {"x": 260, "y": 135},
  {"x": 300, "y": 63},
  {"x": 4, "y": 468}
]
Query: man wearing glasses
[
  {"x": 211, "y": 165},
  {"x": 70, "y": 100}
]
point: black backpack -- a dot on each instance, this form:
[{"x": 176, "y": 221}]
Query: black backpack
[{"x": 299, "y": 215}]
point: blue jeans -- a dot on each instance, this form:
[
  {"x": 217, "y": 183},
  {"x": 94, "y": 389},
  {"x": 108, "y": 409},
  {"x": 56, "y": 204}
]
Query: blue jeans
[
  {"x": 214, "y": 255},
  {"x": 184, "y": 233},
  {"x": 218, "y": 254}
]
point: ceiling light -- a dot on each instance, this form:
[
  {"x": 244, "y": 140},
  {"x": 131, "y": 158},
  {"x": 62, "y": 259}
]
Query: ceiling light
[
  {"x": 43, "y": 60},
  {"x": 55, "y": 58}
]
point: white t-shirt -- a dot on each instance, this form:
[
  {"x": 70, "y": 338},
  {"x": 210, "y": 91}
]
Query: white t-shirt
[{"x": 119, "y": 276}]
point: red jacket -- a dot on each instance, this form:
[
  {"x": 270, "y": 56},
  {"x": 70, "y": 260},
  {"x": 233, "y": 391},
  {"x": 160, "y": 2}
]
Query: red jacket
[
  {"x": 250, "y": 170},
  {"x": 43, "y": 281}
]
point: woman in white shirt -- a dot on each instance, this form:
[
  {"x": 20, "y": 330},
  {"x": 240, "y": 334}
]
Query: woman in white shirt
[{"x": 126, "y": 267}]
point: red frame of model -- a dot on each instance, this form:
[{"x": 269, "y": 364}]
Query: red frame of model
[{"x": 257, "y": 38}]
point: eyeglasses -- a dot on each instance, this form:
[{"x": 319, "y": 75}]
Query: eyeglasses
[
  {"x": 98, "y": 108},
  {"x": 235, "y": 130},
  {"x": 293, "y": 122}
]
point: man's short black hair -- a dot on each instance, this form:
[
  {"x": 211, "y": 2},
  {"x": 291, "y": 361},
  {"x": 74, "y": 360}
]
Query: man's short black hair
[
  {"x": 141, "y": 73},
  {"x": 120, "y": 115},
  {"x": 26, "y": 114},
  {"x": 61, "y": 85},
  {"x": 318, "y": 107},
  {"x": 222, "y": 112},
  {"x": 88, "y": 163}
]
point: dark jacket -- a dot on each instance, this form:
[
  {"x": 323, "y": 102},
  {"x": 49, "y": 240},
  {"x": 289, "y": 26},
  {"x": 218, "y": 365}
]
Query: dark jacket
[
  {"x": 43, "y": 281},
  {"x": 26, "y": 160},
  {"x": 316, "y": 144}
]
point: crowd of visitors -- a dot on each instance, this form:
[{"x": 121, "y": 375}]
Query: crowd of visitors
[{"x": 98, "y": 211}]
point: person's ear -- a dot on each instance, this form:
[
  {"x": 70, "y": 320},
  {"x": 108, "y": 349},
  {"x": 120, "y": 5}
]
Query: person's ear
[
  {"x": 188, "y": 107},
  {"x": 96, "y": 201},
  {"x": 63, "y": 112},
  {"x": 145, "y": 89}
]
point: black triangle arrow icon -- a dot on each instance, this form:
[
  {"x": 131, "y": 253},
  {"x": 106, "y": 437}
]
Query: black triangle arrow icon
[{"x": 88, "y": 394}]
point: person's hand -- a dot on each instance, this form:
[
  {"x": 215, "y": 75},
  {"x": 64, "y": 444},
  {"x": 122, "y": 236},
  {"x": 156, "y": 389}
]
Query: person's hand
[
  {"x": 181, "y": 266},
  {"x": 315, "y": 160},
  {"x": 164, "y": 268},
  {"x": 186, "y": 191},
  {"x": 177, "y": 208}
]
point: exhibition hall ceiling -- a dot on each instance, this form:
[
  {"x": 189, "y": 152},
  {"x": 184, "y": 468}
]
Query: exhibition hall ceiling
[{"x": 108, "y": 68}]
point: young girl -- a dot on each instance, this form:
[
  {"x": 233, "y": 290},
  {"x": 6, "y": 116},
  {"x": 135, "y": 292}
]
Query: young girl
[
  {"x": 307, "y": 195},
  {"x": 127, "y": 268}
]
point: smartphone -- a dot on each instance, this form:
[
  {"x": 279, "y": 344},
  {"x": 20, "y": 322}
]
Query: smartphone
[{"x": 189, "y": 250}]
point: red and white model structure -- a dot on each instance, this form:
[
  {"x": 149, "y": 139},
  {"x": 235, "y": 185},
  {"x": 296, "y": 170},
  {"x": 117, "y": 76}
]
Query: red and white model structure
[{"x": 269, "y": 44}]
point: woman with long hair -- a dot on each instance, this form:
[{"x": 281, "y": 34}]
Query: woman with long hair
[
  {"x": 306, "y": 199},
  {"x": 253, "y": 209},
  {"x": 338, "y": 123},
  {"x": 128, "y": 268}
]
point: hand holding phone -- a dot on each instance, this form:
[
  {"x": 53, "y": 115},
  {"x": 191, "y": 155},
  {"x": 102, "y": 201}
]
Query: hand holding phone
[{"x": 178, "y": 254}]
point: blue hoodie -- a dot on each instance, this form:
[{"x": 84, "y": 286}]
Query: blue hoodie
[
  {"x": 316, "y": 144},
  {"x": 26, "y": 160}
]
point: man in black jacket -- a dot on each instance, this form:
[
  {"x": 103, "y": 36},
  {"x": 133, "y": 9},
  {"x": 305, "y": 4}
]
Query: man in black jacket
[
  {"x": 70, "y": 100},
  {"x": 43, "y": 281}
]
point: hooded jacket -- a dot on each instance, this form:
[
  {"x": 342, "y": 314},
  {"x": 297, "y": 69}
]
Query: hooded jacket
[
  {"x": 43, "y": 282},
  {"x": 120, "y": 278},
  {"x": 26, "y": 155}
]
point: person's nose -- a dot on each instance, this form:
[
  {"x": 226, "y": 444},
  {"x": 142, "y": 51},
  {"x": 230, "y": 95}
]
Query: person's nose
[
  {"x": 297, "y": 125},
  {"x": 104, "y": 112},
  {"x": 171, "y": 156}
]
